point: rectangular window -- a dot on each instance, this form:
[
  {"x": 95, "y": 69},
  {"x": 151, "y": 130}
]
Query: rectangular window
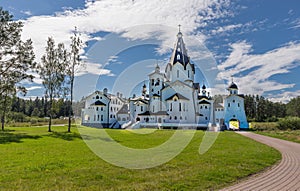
[
  {"x": 101, "y": 117},
  {"x": 179, "y": 106},
  {"x": 98, "y": 118},
  {"x": 101, "y": 108},
  {"x": 97, "y": 108},
  {"x": 153, "y": 108},
  {"x": 177, "y": 73},
  {"x": 228, "y": 104},
  {"x": 141, "y": 108},
  {"x": 170, "y": 106}
]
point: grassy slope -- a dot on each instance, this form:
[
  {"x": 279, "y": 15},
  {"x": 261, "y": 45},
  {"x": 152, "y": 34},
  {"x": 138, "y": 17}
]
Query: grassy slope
[
  {"x": 286, "y": 135},
  {"x": 32, "y": 159}
]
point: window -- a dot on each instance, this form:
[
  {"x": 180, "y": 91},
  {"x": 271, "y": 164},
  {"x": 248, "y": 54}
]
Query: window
[
  {"x": 110, "y": 116},
  {"x": 205, "y": 107},
  {"x": 101, "y": 117},
  {"x": 97, "y": 97},
  {"x": 111, "y": 109},
  {"x": 234, "y": 116},
  {"x": 153, "y": 108},
  {"x": 238, "y": 104},
  {"x": 142, "y": 108},
  {"x": 152, "y": 82},
  {"x": 97, "y": 108},
  {"x": 158, "y": 92},
  {"x": 228, "y": 104},
  {"x": 170, "y": 117},
  {"x": 179, "y": 106},
  {"x": 233, "y": 101},
  {"x": 188, "y": 73},
  {"x": 205, "y": 118},
  {"x": 177, "y": 73},
  {"x": 170, "y": 106},
  {"x": 180, "y": 117},
  {"x": 201, "y": 107},
  {"x": 98, "y": 117},
  {"x": 175, "y": 117},
  {"x": 178, "y": 56},
  {"x": 152, "y": 90},
  {"x": 101, "y": 108}
]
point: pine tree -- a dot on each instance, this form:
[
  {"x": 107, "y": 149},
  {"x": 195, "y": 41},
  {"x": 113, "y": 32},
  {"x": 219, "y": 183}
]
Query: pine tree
[{"x": 16, "y": 60}]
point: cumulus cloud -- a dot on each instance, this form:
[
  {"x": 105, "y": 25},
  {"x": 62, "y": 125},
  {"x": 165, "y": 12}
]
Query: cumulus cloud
[
  {"x": 253, "y": 72},
  {"x": 119, "y": 16},
  {"x": 94, "y": 68}
]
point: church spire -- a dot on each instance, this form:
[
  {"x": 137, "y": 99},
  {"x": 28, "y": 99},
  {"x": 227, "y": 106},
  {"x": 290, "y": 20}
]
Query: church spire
[{"x": 180, "y": 52}]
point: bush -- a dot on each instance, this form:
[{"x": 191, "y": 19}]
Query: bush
[
  {"x": 263, "y": 126},
  {"x": 291, "y": 123}
]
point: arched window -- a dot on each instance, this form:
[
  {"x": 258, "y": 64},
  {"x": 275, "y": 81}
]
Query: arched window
[
  {"x": 178, "y": 56},
  {"x": 97, "y": 97},
  {"x": 175, "y": 118}
]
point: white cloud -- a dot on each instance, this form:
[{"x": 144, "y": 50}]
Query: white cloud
[
  {"x": 252, "y": 72},
  {"x": 34, "y": 88},
  {"x": 94, "y": 68},
  {"x": 224, "y": 29},
  {"x": 28, "y": 13},
  {"x": 122, "y": 16}
]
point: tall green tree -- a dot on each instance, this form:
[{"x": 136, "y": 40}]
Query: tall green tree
[
  {"x": 293, "y": 107},
  {"x": 52, "y": 72},
  {"x": 75, "y": 62},
  {"x": 16, "y": 61}
]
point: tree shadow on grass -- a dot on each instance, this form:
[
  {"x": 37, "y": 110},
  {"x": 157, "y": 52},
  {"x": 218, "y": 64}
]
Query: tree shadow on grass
[
  {"x": 65, "y": 135},
  {"x": 8, "y": 137}
]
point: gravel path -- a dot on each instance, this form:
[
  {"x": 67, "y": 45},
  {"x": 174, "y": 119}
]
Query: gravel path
[{"x": 284, "y": 176}]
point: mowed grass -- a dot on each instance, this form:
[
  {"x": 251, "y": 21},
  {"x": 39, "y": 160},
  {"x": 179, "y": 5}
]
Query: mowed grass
[
  {"x": 289, "y": 135},
  {"x": 33, "y": 159}
]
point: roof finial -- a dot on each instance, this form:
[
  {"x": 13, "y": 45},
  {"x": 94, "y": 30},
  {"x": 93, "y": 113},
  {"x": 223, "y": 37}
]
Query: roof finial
[
  {"x": 232, "y": 78},
  {"x": 179, "y": 27}
]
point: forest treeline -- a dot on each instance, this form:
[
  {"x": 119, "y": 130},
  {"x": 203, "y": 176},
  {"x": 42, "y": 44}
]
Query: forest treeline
[
  {"x": 260, "y": 109},
  {"x": 22, "y": 110}
]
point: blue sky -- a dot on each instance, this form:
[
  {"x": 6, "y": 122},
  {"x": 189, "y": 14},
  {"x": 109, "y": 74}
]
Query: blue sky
[{"x": 256, "y": 42}]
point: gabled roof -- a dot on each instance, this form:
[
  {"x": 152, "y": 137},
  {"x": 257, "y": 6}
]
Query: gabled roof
[
  {"x": 178, "y": 95},
  {"x": 204, "y": 102},
  {"x": 141, "y": 101},
  {"x": 200, "y": 97},
  {"x": 99, "y": 103},
  {"x": 123, "y": 110}
]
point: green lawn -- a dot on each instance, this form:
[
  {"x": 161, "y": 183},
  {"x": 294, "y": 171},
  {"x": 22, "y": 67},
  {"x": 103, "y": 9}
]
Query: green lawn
[
  {"x": 33, "y": 159},
  {"x": 289, "y": 135}
]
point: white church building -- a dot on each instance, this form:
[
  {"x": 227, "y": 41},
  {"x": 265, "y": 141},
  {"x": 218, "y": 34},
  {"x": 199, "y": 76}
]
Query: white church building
[{"x": 172, "y": 99}]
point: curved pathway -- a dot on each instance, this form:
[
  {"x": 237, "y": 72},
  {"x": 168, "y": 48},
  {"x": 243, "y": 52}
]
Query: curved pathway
[{"x": 284, "y": 176}]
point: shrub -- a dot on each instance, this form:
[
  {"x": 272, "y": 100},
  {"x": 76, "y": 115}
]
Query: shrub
[
  {"x": 291, "y": 123},
  {"x": 263, "y": 126}
]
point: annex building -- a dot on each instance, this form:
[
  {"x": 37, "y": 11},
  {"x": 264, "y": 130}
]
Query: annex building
[{"x": 172, "y": 99}]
